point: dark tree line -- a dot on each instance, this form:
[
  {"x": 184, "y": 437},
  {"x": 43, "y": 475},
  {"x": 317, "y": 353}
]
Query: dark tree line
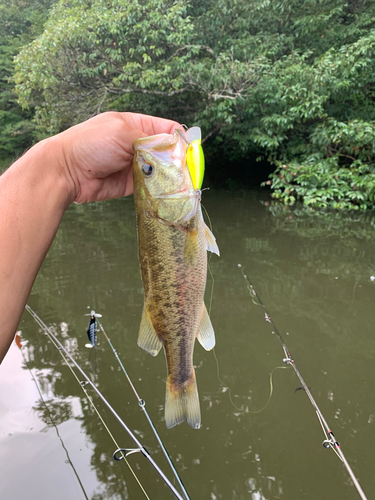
[{"x": 289, "y": 82}]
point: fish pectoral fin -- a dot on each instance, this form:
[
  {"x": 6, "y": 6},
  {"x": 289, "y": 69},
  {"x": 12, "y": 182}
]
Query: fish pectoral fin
[
  {"x": 147, "y": 338},
  {"x": 206, "y": 334},
  {"x": 211, "y": 241}
]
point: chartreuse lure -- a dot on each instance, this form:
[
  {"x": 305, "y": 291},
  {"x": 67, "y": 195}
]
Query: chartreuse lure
[{"x": 195, "y": 156}]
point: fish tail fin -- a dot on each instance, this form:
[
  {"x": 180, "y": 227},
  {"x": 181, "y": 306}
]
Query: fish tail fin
[{"x": 182, "y": 403}]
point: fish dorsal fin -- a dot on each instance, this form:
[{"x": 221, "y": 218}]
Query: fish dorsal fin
[
  {"x": 147, "y": 338},
  {"x": 206, "y": 334},
  {"x": 211, "y": 241}
]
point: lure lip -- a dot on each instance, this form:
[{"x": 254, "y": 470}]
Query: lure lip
[
  {"x": 190, "y": 135},
  {"x": 194, "y": 134}
]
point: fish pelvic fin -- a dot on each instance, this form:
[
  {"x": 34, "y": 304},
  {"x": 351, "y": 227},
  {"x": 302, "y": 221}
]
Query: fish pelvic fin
[
  {"x": 211, "y": 241},
  {"x": 206, "y": 334},
  {"x": 147, "y": 338},
  {"x": 182, "y": 404}
]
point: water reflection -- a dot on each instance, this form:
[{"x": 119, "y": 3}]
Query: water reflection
[
  {"x": 53, "y": 412},
  {"x": 315, "y": 273}
]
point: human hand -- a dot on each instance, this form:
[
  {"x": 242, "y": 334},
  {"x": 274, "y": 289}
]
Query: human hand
[
  {"x": 98, "y": 153},
  {"x": 89, "y": 162}
]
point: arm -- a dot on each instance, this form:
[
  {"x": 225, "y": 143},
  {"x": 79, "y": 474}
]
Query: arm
[{"x": 89, "y": 162}]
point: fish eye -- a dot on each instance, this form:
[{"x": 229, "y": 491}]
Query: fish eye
[{"x": 147, "y": 169}]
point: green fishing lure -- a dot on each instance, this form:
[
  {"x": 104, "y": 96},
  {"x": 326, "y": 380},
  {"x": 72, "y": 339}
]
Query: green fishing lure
[{"x": 195, "y": 156}]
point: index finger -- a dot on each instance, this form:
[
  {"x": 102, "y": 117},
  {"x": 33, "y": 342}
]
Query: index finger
[{"x": 151, "y": 125}]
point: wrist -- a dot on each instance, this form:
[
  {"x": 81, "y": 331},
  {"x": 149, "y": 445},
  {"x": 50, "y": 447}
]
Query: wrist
[{"x": 46, "y": 168}]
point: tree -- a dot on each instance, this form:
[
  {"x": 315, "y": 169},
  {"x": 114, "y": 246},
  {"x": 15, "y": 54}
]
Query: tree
[
  {"x": 20, "y": 22},
  {"x": 284, "y": 81}
]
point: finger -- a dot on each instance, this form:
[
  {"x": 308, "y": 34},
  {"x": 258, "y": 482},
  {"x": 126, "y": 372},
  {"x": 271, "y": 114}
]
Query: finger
[
  {"x": 151, "y": 125},
  {"x": 115, "y": 185}
]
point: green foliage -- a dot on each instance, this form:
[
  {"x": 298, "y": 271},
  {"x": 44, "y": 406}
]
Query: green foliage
[
  {"x": 321, "y": 125},
  {"x": 286, "y": 81},
  {"x": 323, "y": 183},
  {"x": 20, "y": 22},
  {"x": 93, "y": 53}
]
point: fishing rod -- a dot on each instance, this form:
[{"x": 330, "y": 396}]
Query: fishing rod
[
  {"x": 90, "y": 400},
  {"x": 69, "y": 460},
  {"x": 122, "y": 451},
  {"x": 141, "y": 402},
  {"x": 330, "y": 441}
]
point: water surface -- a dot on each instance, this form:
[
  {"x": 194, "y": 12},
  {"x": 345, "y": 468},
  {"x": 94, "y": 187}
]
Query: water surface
[{"x": 316, "y": 274}]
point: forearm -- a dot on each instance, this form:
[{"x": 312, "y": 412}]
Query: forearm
[
  {"x": 33, "y": 197},
  {"x": 91, "y": 161}
]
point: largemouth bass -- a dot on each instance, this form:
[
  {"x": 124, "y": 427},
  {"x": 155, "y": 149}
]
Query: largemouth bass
[{"x": 172, "y": 241}]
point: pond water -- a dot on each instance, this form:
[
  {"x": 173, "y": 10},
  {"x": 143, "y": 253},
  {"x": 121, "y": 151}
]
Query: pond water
[{"x": 315, "y": 272}]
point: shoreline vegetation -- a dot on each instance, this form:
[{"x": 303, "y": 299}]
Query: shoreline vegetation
[{"x": 283, "y": 91}]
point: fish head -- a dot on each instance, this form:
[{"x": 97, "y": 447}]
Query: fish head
[{"x": 162, "y": 179}]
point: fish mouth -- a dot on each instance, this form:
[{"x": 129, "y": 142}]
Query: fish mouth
[
  {"x": 158, "y": 142},
  {"x": 188, "y": 191}
]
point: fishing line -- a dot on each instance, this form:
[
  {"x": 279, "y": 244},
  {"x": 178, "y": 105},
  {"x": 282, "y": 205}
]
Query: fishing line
[
  {"x": 140, "y": 448},
  {"x": 142, "y": 405},
  {"x": 208, "y": 265},
  {"x": 69, "y": 460},
  {"x": 246, "y": 410},
  {"x": 209, "y": 313},
  {"x": 212, "y": 285},
  {"x": 214, "y": 352},
  {"x": 330, "y": 441},
  {"x": 271, "y": 391}
]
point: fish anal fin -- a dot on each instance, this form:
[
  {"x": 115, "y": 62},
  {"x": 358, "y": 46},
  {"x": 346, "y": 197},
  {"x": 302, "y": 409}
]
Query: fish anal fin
[
  {"x": 147, "y": 338},
  {"x": 206, "y": 334},
  {"x": 182, "y": 404},
  {"x": 211, "y": 241}
]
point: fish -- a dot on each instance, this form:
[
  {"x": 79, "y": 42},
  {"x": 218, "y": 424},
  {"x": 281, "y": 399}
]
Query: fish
[{"x": 173, "y": 240}]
